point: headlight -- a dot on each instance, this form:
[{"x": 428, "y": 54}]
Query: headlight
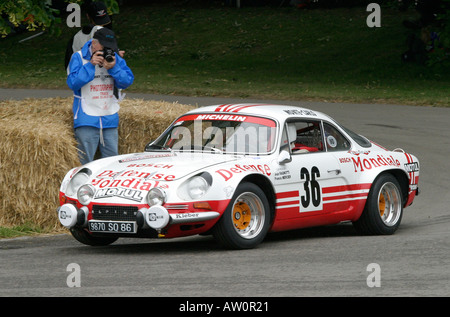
[
  {"x": 156, "y": 196},
  {"x": 79, "y": 179},
  {"x": 85, "y": 194},
  {"x": 197, "y": 187}
]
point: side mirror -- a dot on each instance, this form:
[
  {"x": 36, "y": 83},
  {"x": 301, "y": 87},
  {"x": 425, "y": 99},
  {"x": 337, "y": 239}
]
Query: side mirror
[
  {"x": 147, "y": 147},
  {"x": 284, "y": 157}
]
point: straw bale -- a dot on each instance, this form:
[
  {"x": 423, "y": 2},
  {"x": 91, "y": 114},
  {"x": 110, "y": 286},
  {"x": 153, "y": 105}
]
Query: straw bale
[
  {"x": 37, "y": 148},
  {"x": 142, "y": 122}
]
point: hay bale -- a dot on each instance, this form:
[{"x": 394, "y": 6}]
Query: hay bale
[
  {"x": 143, "y": 121},
  {"x": 37, "y": 149},
  {"x": 33, "y": 158}
]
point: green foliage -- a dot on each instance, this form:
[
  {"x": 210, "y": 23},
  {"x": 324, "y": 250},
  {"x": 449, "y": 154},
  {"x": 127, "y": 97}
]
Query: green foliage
[
  {"x": 441, "y": 54},
  {"x": 17, "y": 231},
  {"x": 260, "y": 52},
  {"x": 31, "y": 13},
  {"x": 35, "y": 14}
]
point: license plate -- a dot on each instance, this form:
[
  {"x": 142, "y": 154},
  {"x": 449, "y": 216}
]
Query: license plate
[{"x": 112, "y": 226}]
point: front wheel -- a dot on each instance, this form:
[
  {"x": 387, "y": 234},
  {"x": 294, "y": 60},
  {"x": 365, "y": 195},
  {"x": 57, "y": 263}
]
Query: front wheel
[
  {"x": 246, "y": 220},
  {"x": 384, "y": 208}
]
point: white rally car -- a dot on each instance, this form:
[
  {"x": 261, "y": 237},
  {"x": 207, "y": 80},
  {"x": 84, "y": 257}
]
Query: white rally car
[{"x": 239, "y": 171}]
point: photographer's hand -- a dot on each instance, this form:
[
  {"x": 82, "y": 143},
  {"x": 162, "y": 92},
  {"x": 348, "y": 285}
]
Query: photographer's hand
[
  {"x": 109, "y": 65},
  {"x": 97, "y": 58}
]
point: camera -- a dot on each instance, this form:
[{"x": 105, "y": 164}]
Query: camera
[{"x": 108, "y": 54}]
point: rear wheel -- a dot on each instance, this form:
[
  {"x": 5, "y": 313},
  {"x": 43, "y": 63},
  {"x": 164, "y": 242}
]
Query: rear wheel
[
  {"x": 384, "y": 208},
  {"x": 246, "y": 220},
  {"x": 86, "y": 238}
]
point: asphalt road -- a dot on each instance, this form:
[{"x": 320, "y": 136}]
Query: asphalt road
[{"x": 329, "y": 261}]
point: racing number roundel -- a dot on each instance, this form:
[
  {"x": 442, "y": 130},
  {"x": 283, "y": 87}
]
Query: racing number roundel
[{"x": 311, "y": 194}]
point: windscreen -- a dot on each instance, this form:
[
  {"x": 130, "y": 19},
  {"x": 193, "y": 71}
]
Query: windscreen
[{"x": 219, "y": 133}]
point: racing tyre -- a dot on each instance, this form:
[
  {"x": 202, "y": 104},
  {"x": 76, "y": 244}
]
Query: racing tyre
[
  {"x": 86, "y": 238},
  {"x": 246, "y": 220},
  {"x": 384, "y": 208}
]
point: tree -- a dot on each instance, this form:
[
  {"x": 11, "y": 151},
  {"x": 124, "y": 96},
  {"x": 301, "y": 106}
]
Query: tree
[
  {"x": 442, "y": 52},
  {"x": 35, "y": 14}
]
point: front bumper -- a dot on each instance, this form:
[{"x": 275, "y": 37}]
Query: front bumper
[{"x": 155, "y": 217}]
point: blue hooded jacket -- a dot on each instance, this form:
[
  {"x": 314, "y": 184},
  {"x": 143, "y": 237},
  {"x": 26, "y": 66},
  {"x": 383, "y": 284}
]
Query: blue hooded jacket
[{"x": 80, "y": 75}]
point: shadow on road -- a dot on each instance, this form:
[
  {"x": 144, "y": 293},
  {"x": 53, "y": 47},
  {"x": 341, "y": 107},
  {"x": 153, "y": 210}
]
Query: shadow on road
[{"x": 208, "y": 243}]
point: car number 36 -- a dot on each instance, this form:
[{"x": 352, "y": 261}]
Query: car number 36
[{"x": 311, "y": 187}]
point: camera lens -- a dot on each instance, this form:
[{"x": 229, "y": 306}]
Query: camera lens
[
  {"x": 108, "y": 54},
  {"x": 109, "y": 58}
]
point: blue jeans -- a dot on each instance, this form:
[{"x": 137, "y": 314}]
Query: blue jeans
[{"x": 88, "y": 140}]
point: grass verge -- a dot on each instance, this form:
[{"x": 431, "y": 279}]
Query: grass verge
[
  {"x": 259, "y": 52},
  {"x": 24, "y": 230}
]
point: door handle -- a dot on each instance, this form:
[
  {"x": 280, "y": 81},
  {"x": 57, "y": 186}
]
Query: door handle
[{"x": 337, "y": 171}]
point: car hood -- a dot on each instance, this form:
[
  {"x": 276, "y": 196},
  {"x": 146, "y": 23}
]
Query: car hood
[{"x": 160, "y": 166}]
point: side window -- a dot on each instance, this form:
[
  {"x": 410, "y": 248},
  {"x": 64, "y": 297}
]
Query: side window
[
  {"x": 284, "y": 140},
  {"x": 303, "y": 137},
  {"x": 334, "y": 140}
]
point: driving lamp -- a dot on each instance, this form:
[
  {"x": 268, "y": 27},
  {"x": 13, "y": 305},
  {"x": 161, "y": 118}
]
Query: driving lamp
[
  {"x": 156, "y": 196},
  {"x": 85, "y": 194}
]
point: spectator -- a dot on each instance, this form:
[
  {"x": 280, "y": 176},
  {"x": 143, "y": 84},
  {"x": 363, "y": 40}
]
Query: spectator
[
  {"x": 93, "y": 76},
  {"x": 97, "y": 15}
]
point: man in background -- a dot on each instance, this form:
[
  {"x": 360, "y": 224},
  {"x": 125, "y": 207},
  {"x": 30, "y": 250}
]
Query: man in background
[{"x": 97, "y": 15}]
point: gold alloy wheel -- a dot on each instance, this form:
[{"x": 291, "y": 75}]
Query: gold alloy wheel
[
  {"x": 382, "y": 204},
  {"x": 389, "y": 204},
  {"x": 241, "y": 215},
  {"x": 248, "y": 215}
]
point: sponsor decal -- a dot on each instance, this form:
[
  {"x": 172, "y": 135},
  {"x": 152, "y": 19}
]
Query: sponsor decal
[
  {"x": 226, "y": 117},
  {"x": 151, "y": 165},
  {"x": 229, "y": 172},
  {"x": 345, "y": 160},
  {"x": 186, "y": 215},
  {"x": 132, "y": 183},
  {"x": 331, "y": 141},
  {"x": 301, "y": 112},
  {"x": 362, "y": 164},
  {"x": 125, "y": 193},
  {"x": 152, "y": 216},
  {"x": 130, "y": 180},
  {"x": 282, "y": 175},
  {"x": 412, "y": 167},
  {"x": 358, "y": 152},
  {"x": 144, "y": 157},
  {"x": 137, "y": 174}
]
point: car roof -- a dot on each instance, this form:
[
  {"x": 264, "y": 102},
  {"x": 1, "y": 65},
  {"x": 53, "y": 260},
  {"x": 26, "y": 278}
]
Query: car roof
[{"x": 280, "y": 112}]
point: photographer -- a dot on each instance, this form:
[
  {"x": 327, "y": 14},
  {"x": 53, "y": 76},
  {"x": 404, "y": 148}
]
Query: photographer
[{"x": 95, "y": 74}]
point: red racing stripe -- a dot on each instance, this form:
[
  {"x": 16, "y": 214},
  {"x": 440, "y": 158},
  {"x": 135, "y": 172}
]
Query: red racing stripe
[
  {"x": 346, "y": 196},
  {"x": 294, "y": 209},
  {"x": 344, "y": 188},
  {"x": 286, "y": 203},
  {"x": 219, "y": 108},
  {"x": 290, "y": 194}
]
